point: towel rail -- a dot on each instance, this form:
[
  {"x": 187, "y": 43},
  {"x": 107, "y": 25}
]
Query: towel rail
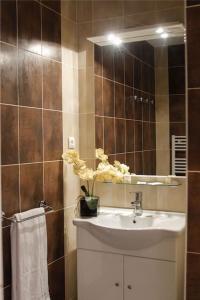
[{"x": 41, "y": 204}]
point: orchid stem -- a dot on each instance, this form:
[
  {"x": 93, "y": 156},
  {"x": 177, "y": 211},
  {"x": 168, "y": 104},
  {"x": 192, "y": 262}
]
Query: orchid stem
[{"x": 88, "y": 187}]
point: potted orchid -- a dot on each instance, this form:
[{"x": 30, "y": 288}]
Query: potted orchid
[{"x": 105, "y": 172}]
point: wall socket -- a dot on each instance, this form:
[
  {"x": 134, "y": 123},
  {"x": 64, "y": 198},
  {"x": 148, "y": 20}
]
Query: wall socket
[{"x": 71, "y": 142}]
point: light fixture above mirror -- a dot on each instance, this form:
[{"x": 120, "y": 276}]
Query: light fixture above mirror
[{"x": 169, "y": 30}]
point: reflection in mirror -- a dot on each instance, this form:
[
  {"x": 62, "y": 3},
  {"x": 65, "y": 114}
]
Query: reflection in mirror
[{"x": 140, "y": 98}]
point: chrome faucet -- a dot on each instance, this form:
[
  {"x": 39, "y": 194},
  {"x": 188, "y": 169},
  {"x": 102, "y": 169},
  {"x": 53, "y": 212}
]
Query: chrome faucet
[{"x": 137, "y": 205}]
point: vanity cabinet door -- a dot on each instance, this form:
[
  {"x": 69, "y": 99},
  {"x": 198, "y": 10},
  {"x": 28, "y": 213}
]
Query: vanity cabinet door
[
  {"x": 149, "y": 279},
  {"x": 100, "y": 276}
]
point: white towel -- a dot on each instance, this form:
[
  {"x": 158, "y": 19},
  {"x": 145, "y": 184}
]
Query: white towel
[{"x": 29, "y": 257}]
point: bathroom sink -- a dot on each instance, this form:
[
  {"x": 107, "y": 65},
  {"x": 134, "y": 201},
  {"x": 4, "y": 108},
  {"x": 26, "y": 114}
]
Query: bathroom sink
[{"x": 115, "y": 227}]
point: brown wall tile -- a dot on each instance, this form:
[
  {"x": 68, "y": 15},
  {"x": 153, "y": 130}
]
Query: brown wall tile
[
  {"x": 55, "y": 5},
  {"x": 98, "y": 60},
  {"x": 193, "y": 276},
  {"x": 176, "y": 55},
  {"x": 7, "y": 293},
  {"x": 120, "y": 135},
  {"x": 139, "y": 163},
  {"x": 137, "y": 74},
  {"x": 121, "y": 158},
  {"x": 9, "y": 134},
  {"x": 52, "y": 85},
  {"x": 29, "y": 25},
  {"x": 193, "y": 23},
  {"x": 119, "y": 66},
  {"x": 130, "y": 161},
  {"x": 109, "y": 135},
  {"x": 53, "y": 184},
  {"x": 57, "y": 279},
  {"x": 26, "y": 90},
  {"x": 129, "y": 70},
  {"x": 30, "y": 79},
  {"x": 8, "y": 81},
  {"x": 108, "y": 98},
  {"x": 129, "y": 103},
  {"x": 138, "y": 136},
  {"x": 177, "y": 128},
  {"x": 8, "y": 23},
  {"x": 55, "y": 234},
  {"x": 6, "y": 256},
  {"x": 146, "y": 136},
  {"x": 98, "y": 96},
  {"x": 193, "y": 59},
  {"x": 193, "y": 128},
  {"x": 51, "y": 34},
  {"x": 99, "y": 132},
  {"x": 108, "y": 62},
  {"x": 193, "y": 193},
  {"x": 31, "y": 175},
  {"x": 53, "y": 145},
  {"x": 119, "y": 101},
  {"x": 10, "y": 189},
  {"x": 177, "y": 108},
  {"x": 130, "y": 135},
  {"x": 177, "y": 80},
  {"x": 193, "y": 2},
  {"x": 30, "y": 135}
]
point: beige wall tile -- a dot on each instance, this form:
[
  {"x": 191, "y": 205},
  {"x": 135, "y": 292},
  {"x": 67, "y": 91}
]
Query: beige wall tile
[
  {"x": 154, "y": 198},
  {"x": 70, "y": 89},
  {"x": 163, "y": 165},
  {"x": 86, "y": 48},
  {"x": 101, "y": 27},
  {"x": 87, "y": 136},
  {"x": 69, "y": 230},
  {"x": 138, "y": 6},
  {"x": 86, "y": 90},
  {"x": 140, "y": 19},
  {"x": 106, "y": 9},
  {"x": 84, "y": 11},
  {"x": 171, "y": 15},
  {"x": 68, "y": 9},
  {"x": 168, "y": 4},
  {"x": 71, "y": 186}
]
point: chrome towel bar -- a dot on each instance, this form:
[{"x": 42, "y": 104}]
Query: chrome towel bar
[{"x": 42, "y": 203}]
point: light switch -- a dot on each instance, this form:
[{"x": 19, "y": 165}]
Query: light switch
[{"x": 71, "y": 142}]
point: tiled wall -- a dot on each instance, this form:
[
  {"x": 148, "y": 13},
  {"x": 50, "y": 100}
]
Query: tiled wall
[
  {"x": 177, "y": 98},
  {"x": 193, "y": 48},
  {"x": 125, "y": 125},
  {"x": 32, "y": 108}
]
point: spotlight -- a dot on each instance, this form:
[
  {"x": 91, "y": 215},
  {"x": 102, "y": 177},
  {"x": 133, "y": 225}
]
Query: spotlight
[
  {"x": 160, "y": 30},
  {"x": 164, "y": 35}
]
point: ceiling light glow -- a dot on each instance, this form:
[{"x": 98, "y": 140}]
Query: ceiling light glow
[
  {"x": 160, "y": 30},
  {"x": 110, "y": 37},
  {"x": 115, "y": 40},
  {"x": 164, "y": 35}
]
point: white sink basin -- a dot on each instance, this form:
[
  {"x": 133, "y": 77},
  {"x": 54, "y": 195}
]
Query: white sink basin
[{"x": 115, "y": 227}]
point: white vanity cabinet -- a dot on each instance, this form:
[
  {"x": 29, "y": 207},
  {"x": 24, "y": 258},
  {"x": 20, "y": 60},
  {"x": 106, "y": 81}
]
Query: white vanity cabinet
[
  {"x": 116, "y": 263},
  {"x": 106, "y": 276},
  {"x": 100, "y": 276},
  {"x": 149, "y": 279}
]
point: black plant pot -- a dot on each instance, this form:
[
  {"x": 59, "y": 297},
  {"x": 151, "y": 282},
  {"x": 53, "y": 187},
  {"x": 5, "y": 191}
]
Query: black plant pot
[{"x": 89, "y": 206}]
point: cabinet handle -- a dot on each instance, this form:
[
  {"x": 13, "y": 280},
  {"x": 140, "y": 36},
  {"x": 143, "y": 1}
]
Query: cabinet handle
[
  {"x": 129, "y": 287},
  {"x": 116, "y": 284}
]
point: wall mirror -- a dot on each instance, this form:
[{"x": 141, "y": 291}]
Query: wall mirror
[{"x": 140, "y": 98}]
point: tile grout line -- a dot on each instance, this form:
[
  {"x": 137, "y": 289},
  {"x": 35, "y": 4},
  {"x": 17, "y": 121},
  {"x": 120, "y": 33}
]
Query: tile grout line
[
  {"x": 43, "y": 180},
  {"x": 18, "y": 108}
]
